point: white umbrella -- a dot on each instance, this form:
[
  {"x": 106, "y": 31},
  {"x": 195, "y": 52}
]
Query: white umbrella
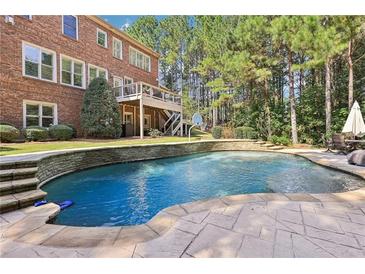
[{"x": 355, "y": 123}]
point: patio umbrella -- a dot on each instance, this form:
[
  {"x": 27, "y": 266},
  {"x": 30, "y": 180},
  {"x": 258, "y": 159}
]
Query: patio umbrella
[{"x": 355, "y": 123}]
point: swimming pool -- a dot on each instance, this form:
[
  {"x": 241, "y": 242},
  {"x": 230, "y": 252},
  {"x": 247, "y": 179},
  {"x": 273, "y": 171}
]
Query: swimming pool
[{"x": 132, "y": 193}]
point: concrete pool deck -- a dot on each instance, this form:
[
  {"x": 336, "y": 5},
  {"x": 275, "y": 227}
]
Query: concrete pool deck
[{"x": 253, "y": 225}]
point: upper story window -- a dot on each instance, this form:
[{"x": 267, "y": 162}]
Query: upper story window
[
  {"x": 139, "y": 59},
  {"x": 72, "y": 72},
  {"x": 117, "y": 48},
  {"x": 101, "y": 38},
  {"x": 39, "y": 114},
  {"x": 95, "y": 71},
  {"x": 39, "y": 62},
  {"x": 70, "y": 26},
  {"x": 28, "y": 17}
]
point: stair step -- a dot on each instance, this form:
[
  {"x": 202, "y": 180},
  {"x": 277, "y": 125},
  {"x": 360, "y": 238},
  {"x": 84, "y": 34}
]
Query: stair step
[
  {"x": 20, "y": 200},
  {"x": 260, "y": 142},
  {"x": 276, "y": 147},
  {"x": 9, "y": 187},
  {"x": 18, "y": 173},
  {"x": 15, "y": 165},
  {"x": 267, "y": 145}
]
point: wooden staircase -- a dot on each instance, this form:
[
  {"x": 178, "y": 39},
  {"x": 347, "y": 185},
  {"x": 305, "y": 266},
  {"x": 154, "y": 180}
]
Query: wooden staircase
[{"x": 18, "y": 186}]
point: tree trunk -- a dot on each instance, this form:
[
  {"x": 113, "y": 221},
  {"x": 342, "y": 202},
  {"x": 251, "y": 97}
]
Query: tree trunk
[
  {"x": 293, "y": 116},
  {"x": 267, "y": 108},
  {"x": 351, "y": 75},
  {"x": 328, "y": 97}
]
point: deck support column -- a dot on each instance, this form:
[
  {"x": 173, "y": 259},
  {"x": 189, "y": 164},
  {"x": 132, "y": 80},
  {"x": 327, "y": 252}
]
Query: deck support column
[{"x": 141, "y": 116}]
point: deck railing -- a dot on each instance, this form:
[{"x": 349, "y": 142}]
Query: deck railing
[{"x": 154, "y": 92}]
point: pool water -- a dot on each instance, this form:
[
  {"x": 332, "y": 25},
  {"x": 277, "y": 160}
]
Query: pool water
[{"x": 132, "y": 193}]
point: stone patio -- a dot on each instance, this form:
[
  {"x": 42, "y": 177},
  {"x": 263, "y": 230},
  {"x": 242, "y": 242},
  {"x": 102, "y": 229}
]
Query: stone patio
[{"x": 255, "y": 225}]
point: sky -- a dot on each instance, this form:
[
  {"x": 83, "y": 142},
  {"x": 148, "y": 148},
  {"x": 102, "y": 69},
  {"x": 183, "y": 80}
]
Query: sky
[{"x": 123, "y": 21}]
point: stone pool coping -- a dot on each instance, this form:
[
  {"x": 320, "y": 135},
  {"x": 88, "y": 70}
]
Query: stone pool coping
[{"x": 30, "y": 225}]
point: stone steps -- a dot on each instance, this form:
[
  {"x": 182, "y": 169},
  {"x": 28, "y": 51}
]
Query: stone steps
[
  {"x": 16, "y": 186},
  {"x": 267, "y": 145},
  {"x": 15, "y": 165},
  {"x": 18, "y": 200},
  {"x": 260, "y": 142},
  {"x": 276, "y": 147},
  {"x": 17, "y": 173}
]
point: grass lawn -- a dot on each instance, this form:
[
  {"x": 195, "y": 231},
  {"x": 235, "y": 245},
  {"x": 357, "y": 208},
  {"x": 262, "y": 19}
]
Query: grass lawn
[{"x": 12, "y": 149}]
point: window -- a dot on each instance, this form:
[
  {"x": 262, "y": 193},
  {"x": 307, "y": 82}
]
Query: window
[
  {"x": 39, "y": 63},
  {"x": 39, "y": 114},
  {"x": 101, "y": 38},
  {"x": 72, "y": 72},
  {"x": 139, "y": 59},
  {"x": 128, "y": 118},
  {"x": 70, "y": 26},
  {"x": 117, "y": 48},
  {"x": 95, "y": 71},
  {"x": 127, "y": 80},
  {"x": 117, "y": 82},
  {"x": 28, "y": 17},
  {"x": 147, "y": 121}
]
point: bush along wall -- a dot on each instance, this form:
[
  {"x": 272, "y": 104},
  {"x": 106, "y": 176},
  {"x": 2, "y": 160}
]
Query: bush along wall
[
  {"x": 61, "y": 132},
  {"x": 8, "y": 133}
]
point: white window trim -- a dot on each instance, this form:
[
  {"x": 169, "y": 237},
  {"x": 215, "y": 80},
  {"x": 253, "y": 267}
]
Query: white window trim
[
  {"x": 98, "y": 68},
  {"x": 106, "y": 38},
  {"x": 127, "y": 113},
  {"x": 128, "y": 78},
  {"x": 121, "y": 48},
  {"x": 40, "y": 104},
  {"x": 77, "y": 27},
  {"x": 72, "y": 71},
  {"x": 54, "y": 62},
  {"x": 120, "y": 78},
  {"x": 146, "y": 55}
]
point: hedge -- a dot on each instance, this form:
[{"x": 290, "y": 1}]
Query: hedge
[
  {"x": 61, "y": 132},
  {"x": 36, "y": 133},
  {"x": 8, "y": 133},
  {"x": 217, "y": 132}
]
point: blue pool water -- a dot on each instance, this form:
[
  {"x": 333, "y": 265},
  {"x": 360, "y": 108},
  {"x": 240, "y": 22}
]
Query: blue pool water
[{"x": 132, "y": 193}]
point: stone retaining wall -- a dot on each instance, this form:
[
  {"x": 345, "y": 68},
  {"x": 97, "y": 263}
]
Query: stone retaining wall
[{"x": 55, "y": 165}]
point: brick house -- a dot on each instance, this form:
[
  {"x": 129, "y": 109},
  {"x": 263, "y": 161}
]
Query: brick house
[{"x": 47, "y": 62}]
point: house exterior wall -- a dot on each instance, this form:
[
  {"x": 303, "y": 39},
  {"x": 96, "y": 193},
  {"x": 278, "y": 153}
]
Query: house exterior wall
[
  {"x": 154, "y": 114},
  {"x": 46, "y": 32}
]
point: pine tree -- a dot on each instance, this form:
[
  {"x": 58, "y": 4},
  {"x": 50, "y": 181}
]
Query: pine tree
[{"x": 100, "y": 113}]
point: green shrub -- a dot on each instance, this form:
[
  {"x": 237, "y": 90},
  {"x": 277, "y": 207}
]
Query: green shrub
[
  {"x": 154, "y": 132},
  {"x": 249, "y": 133},
  {"x": 8, "y": 133},
  {"x": 74, "y": 131},
  {"x": 274, "y": 139},
  {"x": 61, "y": 132},
  {"x": 36, "y": 133},
  {"x": 217, "y": 132},
  {"x": 238, "y": 133},
  {"x": 283, "y": 140},
  {"x": 100, "y": 113},
  {"x": 6, "y": 124}
]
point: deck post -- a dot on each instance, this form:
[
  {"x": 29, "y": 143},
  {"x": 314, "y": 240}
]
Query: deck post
[{"x": 141, "y": 116}]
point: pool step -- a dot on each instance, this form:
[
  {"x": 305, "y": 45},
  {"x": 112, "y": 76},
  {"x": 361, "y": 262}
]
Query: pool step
[
  {"x": 19, "y": 200},
  {"x": 17, "y": 173},
  {"x": 15, "y": 165},
  {"x": 16, "y": 186},
  {"x": 276, "y": 147},
  {"x": 260, "y": 142},
  {"x": 267, "y": 145}
]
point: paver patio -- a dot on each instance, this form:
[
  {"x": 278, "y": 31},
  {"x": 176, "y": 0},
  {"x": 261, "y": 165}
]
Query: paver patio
[{"x": 257, "y": 225}]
